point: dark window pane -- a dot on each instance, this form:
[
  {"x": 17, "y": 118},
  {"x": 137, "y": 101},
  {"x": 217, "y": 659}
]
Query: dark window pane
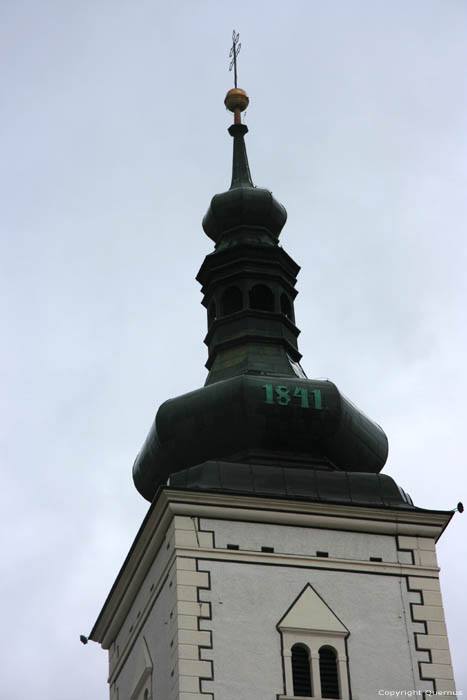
[
  {"x": 286, "y": 306},
  {"x": 301, "y": 673},
  {"x": 212, "y": 312},
  {"x": 261, "y": 297},
  {"x": 328, "y": 673},
  {"x": 231, "y": 301}
]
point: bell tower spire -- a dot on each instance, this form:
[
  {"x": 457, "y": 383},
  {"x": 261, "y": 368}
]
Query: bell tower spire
[
  {"x": 257, "y": 405},
  {"x": 248, "y": 282}
]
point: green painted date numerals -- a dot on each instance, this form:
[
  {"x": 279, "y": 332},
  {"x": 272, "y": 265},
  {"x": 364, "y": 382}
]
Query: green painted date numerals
[{"x": 283, "y": 395}]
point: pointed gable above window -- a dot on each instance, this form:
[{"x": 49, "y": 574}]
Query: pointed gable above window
[
  {"x": 314, "y": 651},
  {"x": 309, "y": 612}
]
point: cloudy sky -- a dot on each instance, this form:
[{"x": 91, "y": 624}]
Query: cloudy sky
[{"x": 114, "y": 141}]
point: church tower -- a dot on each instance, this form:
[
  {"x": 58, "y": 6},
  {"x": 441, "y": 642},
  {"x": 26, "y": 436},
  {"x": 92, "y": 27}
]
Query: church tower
[{"x": 275, "y": 561}]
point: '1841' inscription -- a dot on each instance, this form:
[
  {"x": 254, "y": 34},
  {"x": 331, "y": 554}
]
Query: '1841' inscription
[{"x": 284, "y": 395}]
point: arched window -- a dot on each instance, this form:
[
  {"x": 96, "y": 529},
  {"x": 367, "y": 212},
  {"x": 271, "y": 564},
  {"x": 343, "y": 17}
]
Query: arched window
[
  {"x": 231, "y": 301},
  {"x": 301, "y": 671},
  {"x": 286, "y": 306},
  {"x": 261, "y": 297},
  {"x": 314, "y": 652},
  {"x": 212, "y": 313},
  {"x": 328, "y": 673}
]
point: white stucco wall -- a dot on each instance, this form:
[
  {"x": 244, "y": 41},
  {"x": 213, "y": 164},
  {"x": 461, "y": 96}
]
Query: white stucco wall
[
  {"x": 248, "y": 592},
  {"x": 155, "y": 630},
  {"x": 248, "y": 600},
  {"x": 144, "y": 592},
  {"x": 156, "y": 633},
  {"x": 300, "y": 540}
]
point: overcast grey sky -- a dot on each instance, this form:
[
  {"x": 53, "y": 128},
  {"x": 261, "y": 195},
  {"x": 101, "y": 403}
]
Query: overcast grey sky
[{"x": 114, "y": 141}]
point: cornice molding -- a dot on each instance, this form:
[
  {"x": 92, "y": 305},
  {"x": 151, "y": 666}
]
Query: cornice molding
[{"x": 171, "y": 502}]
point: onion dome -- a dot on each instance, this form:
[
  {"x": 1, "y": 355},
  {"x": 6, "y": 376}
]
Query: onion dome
[
  {"x": 244, "y": 212},
  {"x": 288, "y": 423},
  {"x": 258, "y": 419}
]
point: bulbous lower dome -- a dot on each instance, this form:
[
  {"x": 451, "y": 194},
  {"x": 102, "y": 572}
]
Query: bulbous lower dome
[
  {"x": 258, "y": 409},
  {"x": 244, "y": 208},
  {"x": 241, "y": 419}
]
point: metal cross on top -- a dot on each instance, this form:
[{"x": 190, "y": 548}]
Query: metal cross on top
[{"x": 234, "y": 51}]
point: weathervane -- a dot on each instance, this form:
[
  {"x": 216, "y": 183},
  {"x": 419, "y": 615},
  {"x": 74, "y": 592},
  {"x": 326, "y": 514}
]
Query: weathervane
[
  {"x": 236, "y": 99},
  {"x": 234, "y": 51}
]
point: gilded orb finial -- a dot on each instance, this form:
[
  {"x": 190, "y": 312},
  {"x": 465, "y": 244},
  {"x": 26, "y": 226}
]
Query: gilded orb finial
[{"x": 236, "y": 99}]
